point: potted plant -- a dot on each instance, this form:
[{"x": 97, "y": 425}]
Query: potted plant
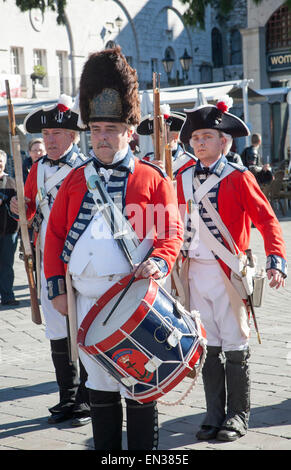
[{"x": 39, "y": 72}]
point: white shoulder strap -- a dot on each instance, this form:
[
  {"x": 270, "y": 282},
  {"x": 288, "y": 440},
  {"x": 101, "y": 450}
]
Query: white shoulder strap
[
  {"x": 187, "y": 181},
  {"x": 210, "y": 182},
  {"x": 48, "y": 187},
  {"x": 121, "y": 228},
  {"x": 231, "y": 260},
  {"x": 201, "y": 191},
  {"x": 59, "y": 176},
  {"x": 215, "y": 216}
]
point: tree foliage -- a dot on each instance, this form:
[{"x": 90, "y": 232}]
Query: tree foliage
[
  {"x": 193, "y": 16},
  {"x": 195, "y": 12},
  {"x": 54, "y": 5}
]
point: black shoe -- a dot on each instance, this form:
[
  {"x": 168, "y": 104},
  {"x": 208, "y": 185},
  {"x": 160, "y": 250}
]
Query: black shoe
[
  {"x": 207, "y": 432},
  {"x": 228, "y": 435},
  {"x": 10, "y": 302},
  {"x": 80, "y": 421},
  {"x": 56, "y": 418}
]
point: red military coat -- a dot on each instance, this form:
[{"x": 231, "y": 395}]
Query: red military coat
[
  {"x": 146, "y": 188},
  {"x": 240, "y": 202},
  {"x": 73, "y": 158}
]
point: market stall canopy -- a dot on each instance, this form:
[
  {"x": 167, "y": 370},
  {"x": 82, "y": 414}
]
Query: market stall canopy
[
  {"x": 23, "y": 107},
  {"x": 253, "y": 96},
  {"x": 275, "y": 95},
  {"x": 187, "y": 97},
  {"x": 182, "y": 98}
]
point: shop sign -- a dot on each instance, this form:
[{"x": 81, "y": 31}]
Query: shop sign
[{"x": 279, "y": 60}]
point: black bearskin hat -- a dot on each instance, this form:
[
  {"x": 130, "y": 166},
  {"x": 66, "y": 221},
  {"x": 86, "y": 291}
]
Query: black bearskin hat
[{"x": 109, "y": 89}]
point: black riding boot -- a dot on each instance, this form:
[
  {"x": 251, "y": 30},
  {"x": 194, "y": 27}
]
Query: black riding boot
[
  {"x": 67, "y": 380},
  {"x": 238, "y": 395},
  {"x": 142, "y": 425},
  {"x": 213, "y": 374},
  {"x": 106, "y": 415},
  {"x": 82, "y": 404}
]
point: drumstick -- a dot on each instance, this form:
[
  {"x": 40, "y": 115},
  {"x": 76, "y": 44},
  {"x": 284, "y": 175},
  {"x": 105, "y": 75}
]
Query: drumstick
[{"x": 126, "y": 288}]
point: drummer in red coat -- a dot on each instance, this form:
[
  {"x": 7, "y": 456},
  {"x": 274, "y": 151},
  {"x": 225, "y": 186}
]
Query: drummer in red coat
[
  {"x": 234, "y": 201},
  {"x": 78, "y": 239}
]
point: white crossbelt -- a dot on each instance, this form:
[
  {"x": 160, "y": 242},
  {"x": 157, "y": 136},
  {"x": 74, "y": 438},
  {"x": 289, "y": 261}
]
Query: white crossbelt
[
  {"x": 210, "y": 240},
  {"x": 124, "y": 230},
  {"x": 49, "y": 186},
  {"x": 235, "y": 260}
]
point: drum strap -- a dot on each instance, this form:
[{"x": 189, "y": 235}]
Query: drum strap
[{"x": 121, "y": 229}]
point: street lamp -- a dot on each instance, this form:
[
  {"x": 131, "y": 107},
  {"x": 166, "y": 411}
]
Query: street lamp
[
  {"x": 185, "y": 62},
  {"x": 168, "y": 63},
  {"x": 119, "y": 23}
]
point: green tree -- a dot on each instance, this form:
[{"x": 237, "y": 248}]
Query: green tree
[
  {"x": 54, "y": 5},
  {"x": 193, "y": 16},
  {"x": 195, "y": 12}
]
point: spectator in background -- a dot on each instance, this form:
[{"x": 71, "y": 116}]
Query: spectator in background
[
  {"x": 8, "y": 235},
  {"x": 252, "y": 159},
  {"x": 36, "y": 149},
  {"x": 232, "y": 157}
]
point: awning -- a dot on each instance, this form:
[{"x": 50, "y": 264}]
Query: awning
[
  {"x": 253, "y": 96},
  {"x": 185, "y": 98},
  {"x": 275, "y": 95},
  {"x": 22, "y": 107}
]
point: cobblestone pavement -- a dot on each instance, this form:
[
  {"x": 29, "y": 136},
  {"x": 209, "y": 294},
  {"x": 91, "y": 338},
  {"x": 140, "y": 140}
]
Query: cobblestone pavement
[{"x": 28, "y": 388}]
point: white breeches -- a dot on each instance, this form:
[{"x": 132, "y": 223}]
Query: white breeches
[
  {"x": 209, "y": 297},
  {"x": 55, "y": 323},
  {"x": 98, "y": 377}
]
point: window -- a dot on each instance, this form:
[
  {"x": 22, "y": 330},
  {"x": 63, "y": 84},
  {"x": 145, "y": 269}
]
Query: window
[
  {"x": 206, "y": 73},
  {"x": 216, "y": 42},
  {"x": 154, "y": 65},
  {"x": 15, "y": 60},
  {"x": 39, "y": 58},
  {"x": 62, "y": 61},
  {"x": 235, "y": 48},
  {"x": 278, "y": 35},
  {"x": 17, "y": 65}
]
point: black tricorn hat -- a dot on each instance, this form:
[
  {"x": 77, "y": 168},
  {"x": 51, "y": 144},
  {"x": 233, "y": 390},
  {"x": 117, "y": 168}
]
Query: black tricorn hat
[
  {"x": 59, "y": 116},
  {"x": 109, "y": 89},
  {"x": 174, "y": 119},
  {"x": 212, "y": 117}
]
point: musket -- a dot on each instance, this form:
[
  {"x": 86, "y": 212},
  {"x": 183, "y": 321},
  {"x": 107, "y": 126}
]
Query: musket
[
  {"x": 158, "y": 120},
  {"x": 175, "y": 283},
  {"x": 28, "y": 255},
  {"x": 168, "y": 152},
  {"x": 251, "y": 263}
]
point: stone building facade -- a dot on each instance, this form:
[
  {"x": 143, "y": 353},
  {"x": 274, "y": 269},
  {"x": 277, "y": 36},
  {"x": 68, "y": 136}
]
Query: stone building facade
[
  {"x": 148, "y": 31},
  {"x": 267, "y": 60}
]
